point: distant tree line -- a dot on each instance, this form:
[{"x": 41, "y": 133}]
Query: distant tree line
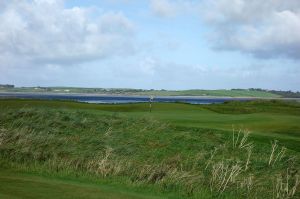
[
  {"x": 7, "y": 86},
  {"x": 288, "y": 94}
]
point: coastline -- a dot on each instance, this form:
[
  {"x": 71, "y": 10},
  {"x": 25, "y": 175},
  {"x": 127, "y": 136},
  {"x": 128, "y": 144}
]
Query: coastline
[{"x": 4, "y": 94}]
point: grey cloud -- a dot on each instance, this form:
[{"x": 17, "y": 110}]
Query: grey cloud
[
  {"x": 266, "y": 29},
  {"x": 43, "y": 31},
  {"x": 152, "y": 72}
]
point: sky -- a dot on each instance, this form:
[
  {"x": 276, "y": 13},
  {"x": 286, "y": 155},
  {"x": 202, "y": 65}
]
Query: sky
[{"x": 151, "y": 44}]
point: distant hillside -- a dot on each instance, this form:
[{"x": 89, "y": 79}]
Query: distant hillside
[
  {"x": 287, "y": 94},
  {"x": 252, "y": 92},
  {"x": 219, "y": 93}
]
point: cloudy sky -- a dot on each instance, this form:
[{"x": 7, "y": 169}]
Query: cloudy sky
[{"x": 170, "y": 44}]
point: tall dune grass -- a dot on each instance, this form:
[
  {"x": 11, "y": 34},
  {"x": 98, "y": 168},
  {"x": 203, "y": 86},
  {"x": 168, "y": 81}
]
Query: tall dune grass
[{"x": 148, "y": 153}]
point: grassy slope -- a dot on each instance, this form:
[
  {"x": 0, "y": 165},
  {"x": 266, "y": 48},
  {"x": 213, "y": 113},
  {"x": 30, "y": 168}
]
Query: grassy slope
[
  {"x": 76, "y": 129},
  {"x": 274, "y": 120}
]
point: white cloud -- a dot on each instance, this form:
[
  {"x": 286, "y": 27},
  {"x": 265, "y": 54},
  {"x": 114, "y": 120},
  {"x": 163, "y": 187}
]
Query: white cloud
[
  {"x": 172, "y": 8},
  {"x": 164, "y": 8},
  {"x": 269, "y": 28},
  {"x": 44, "y": 31}
]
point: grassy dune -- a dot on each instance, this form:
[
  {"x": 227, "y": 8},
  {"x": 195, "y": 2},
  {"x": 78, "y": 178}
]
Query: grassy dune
[{"x": 177, "y": 151}]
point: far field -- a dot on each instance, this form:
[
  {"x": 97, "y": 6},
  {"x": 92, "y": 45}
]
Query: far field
[
  {"x": 77, "y": 150},
  {"x": 194, "y": 92}
]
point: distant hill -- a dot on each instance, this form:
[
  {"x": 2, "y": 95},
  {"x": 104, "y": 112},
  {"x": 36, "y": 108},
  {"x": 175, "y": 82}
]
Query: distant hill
[
  {"x": 252, "y": 92},
  {"x": 287, "y": 94}
]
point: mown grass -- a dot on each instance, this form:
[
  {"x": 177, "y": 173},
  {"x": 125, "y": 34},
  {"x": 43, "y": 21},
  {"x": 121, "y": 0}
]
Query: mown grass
[
  {"x": 27, "y": 185},
  {"x": 187, "y": 150},
  {"x": 257, "y": 106}
]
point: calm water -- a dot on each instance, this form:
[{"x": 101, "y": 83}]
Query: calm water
[{"x": 120, "y": 99}]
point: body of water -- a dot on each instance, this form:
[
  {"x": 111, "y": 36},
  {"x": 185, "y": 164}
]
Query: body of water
[{"x": 105, "y": 99}]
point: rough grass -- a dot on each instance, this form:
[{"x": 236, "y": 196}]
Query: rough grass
[{"x": 73, "y": 139}]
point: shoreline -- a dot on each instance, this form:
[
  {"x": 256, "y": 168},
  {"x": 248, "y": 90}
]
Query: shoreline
[{"x": 8, "y": 94}]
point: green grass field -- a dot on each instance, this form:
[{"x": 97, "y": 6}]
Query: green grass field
[
  {"x": 16, "y": 184},
  {"x": 61, "y": 149}
]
